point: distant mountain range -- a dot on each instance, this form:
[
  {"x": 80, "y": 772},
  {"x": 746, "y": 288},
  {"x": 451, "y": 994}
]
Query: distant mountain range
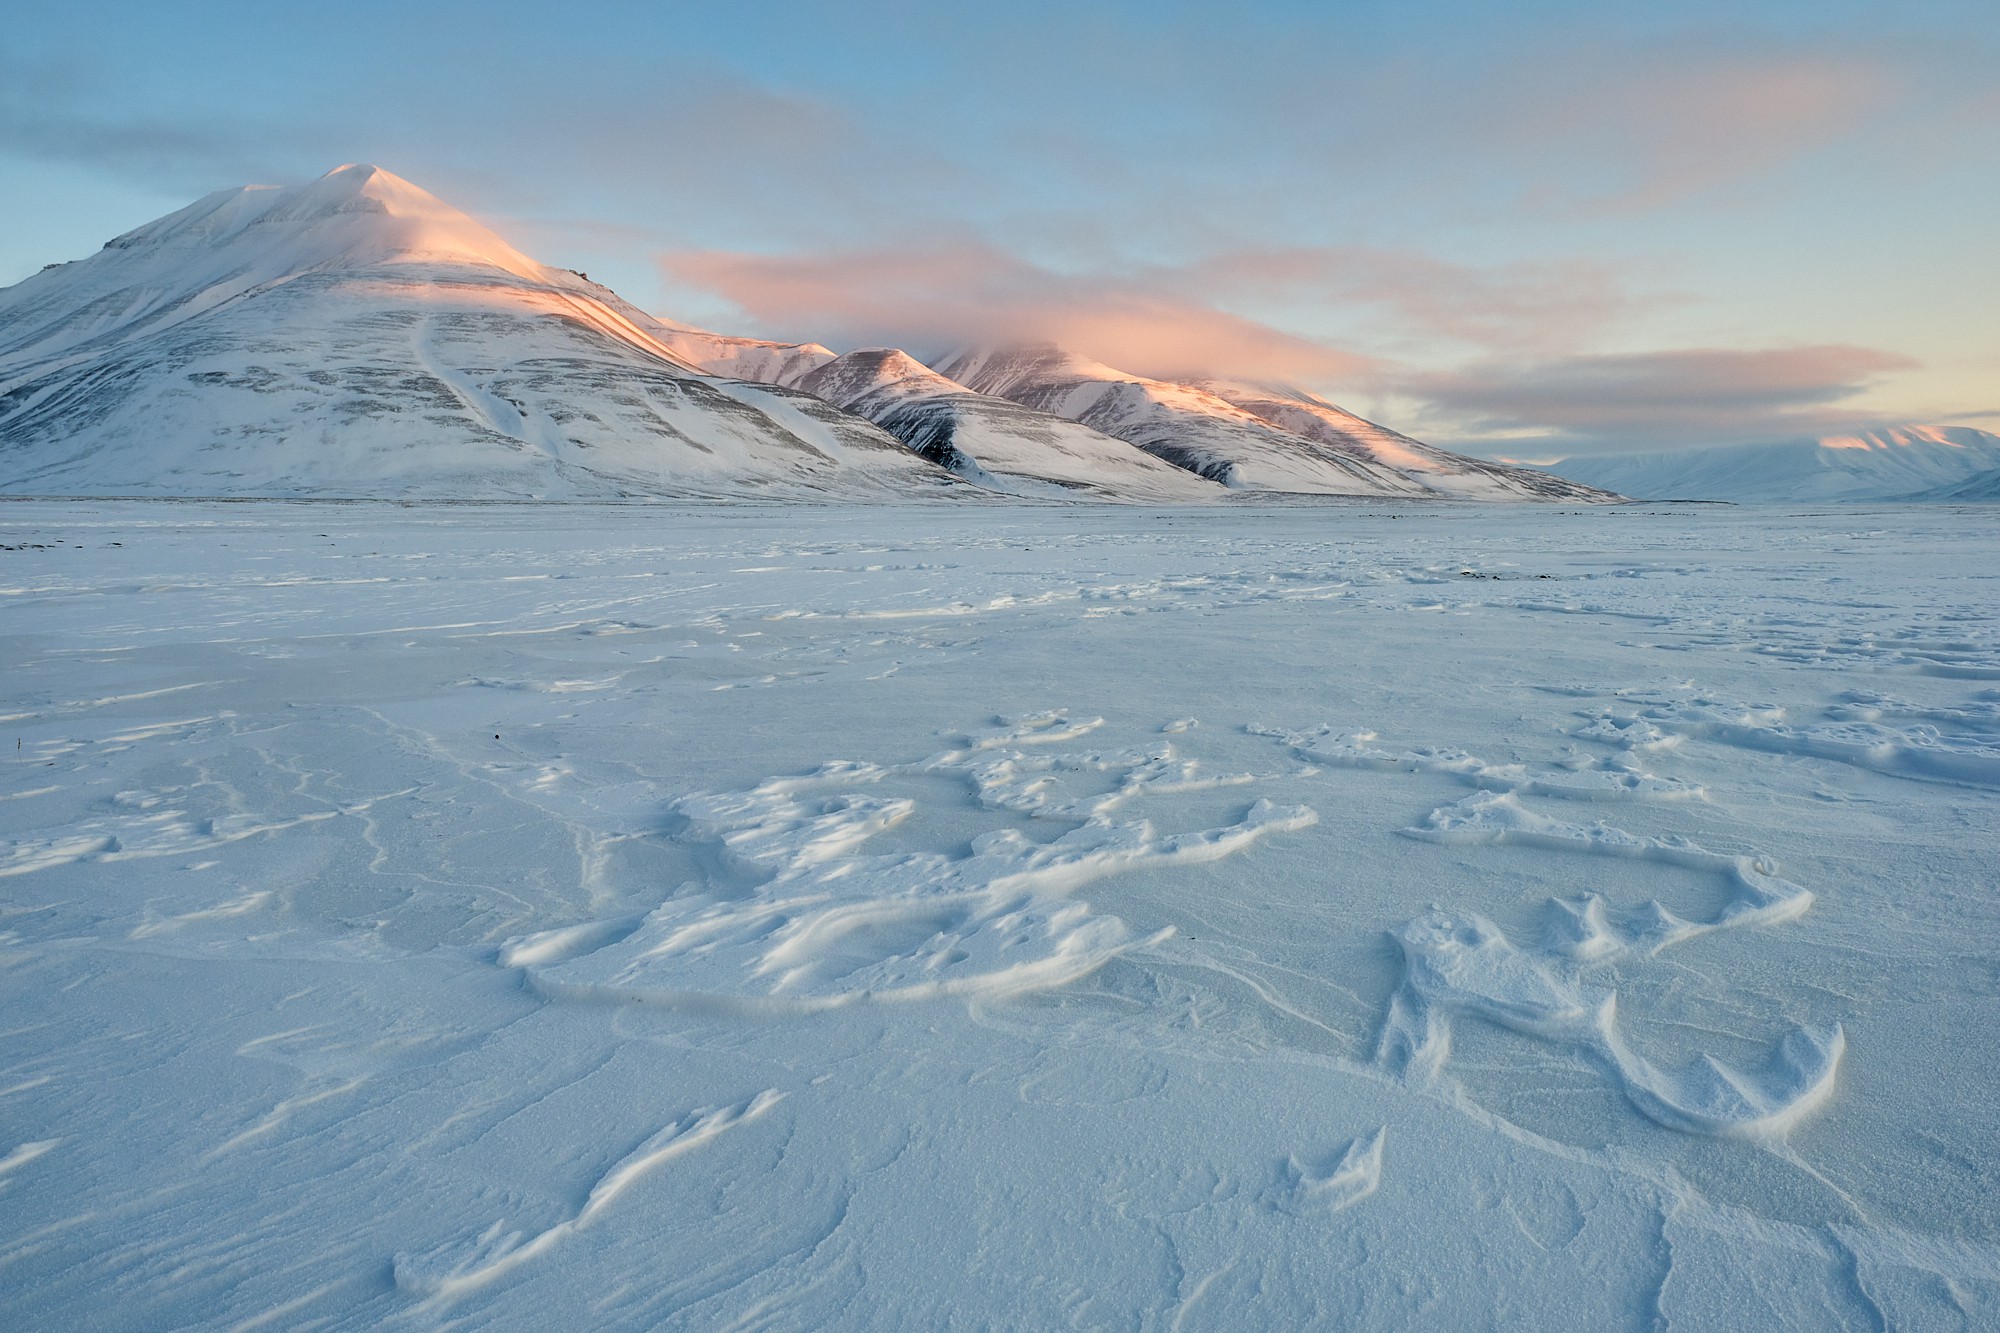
[{"x": 1910, "y": 463}]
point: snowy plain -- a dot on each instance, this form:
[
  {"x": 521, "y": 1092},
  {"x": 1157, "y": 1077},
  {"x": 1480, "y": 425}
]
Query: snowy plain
[{"x": 1354, "y": 914}]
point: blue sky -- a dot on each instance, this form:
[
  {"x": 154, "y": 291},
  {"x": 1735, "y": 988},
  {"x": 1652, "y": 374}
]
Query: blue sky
[{"x": 1525, "y": 229}]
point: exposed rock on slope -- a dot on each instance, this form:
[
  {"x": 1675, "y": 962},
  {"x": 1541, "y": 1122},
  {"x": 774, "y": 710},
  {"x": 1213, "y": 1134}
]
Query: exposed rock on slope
[{"x": 992, "y": 441}]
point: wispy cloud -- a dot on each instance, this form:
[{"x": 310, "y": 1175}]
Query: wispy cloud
[
  {"x": 1655, "y": 399},
  {"x": 1176, "y": 320}
]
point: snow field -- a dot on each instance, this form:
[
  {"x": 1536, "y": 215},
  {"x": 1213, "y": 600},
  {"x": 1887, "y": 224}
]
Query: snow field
[{"x": 671, "y": 916}]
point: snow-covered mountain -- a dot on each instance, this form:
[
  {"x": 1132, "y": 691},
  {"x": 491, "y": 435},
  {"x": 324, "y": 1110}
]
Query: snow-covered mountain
[
  {"x": 1904, "y": 463},
  {"x": 1308, "y": 415},
  {"x": 994, "y": 442},
  {"x": 991, "y": 442},
  {"x": 1246, "y": 438},
  {"x": 357, "y": 336},
  {"x": 1187, "y": 427}
]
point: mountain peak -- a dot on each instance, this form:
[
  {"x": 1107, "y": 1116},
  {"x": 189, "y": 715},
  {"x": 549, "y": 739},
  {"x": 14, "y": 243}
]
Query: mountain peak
[
  {"x": 357, "y": 220},
  {"x": 893, "y": 365},
  {"x": 1018, "y": 363},
  {"x": 356, "y": 215},
  {"x": 383, "y": 190}
]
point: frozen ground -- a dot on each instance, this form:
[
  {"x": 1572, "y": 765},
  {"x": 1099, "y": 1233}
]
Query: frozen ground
[{"x": 497, "y": 916}]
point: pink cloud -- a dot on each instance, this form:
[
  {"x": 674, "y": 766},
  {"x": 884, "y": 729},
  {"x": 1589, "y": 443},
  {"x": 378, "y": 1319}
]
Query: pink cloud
[
  {"x": 1694, "y": 395},
  {"x": 1165, "y": 319},
  {"x": 936, "y": 297}
]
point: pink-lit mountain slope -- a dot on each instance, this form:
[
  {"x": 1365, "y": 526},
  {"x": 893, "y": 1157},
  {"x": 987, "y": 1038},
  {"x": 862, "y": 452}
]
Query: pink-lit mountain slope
[
  {"x": 358, "y": 337},
  {"x": 1246, "y": 437},
  {"x": 994, "y": 442},
  {"x": 1313, "y": 418},
  {"x": 741, "y": 358}
]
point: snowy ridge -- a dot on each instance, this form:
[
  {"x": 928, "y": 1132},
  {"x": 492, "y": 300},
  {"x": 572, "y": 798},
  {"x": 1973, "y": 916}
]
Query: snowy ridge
[
  {"x": 991, "y": 441},
  {"x": 458, "y": 1267},
  {"x": 1959, "y": 745},
  {"x": 1187, "y": 427},
  {"x": 1331, "y": 1186},
  {"x": 1312, "y": 417},
  {"x": 1941, "y": 463},
  {"x": 1270, "y": 441},
  {"x": 358, "y": 337},
  {"x": 741, "y": 358}
]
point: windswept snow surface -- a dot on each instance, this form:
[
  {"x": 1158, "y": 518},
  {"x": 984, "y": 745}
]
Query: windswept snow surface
[
  {"x": 1927, "y": 463},
  {"x": 1386, "y": 915}
]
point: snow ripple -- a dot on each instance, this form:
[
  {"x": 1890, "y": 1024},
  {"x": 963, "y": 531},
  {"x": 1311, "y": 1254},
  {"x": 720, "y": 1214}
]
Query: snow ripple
[{"x": 463, "y": 1265}]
